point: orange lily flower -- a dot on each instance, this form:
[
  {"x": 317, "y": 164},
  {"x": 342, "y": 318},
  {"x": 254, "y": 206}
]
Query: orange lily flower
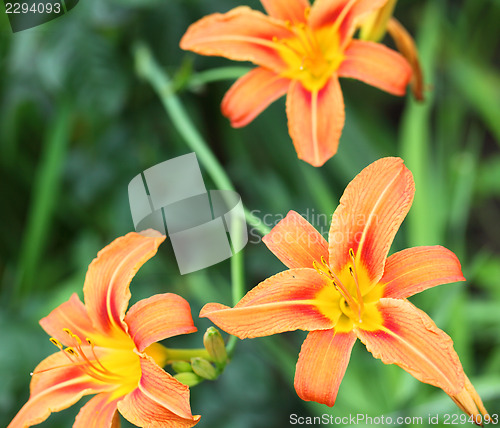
[
  {"x": 348, "y": 289},
  {"x": 113, "y": 354},
  {"x": 300, "y": 51},
  {"x": 374, "y": 27}
]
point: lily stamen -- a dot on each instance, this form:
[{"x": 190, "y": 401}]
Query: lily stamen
[
  {"x": 307, "y": 12},
  {"x": 87, "y": 365},
  {"x": 91, "y": 343},
  {"x": 337, "y": 283},
  {"x": 56, "y": 343},
  {"x": 124, "y": 364},
  {"x": 73, "y": 353},
  {"x": 308, "y": 41}
]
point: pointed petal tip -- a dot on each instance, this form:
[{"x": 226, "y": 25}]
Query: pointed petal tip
[
  {"x": 416, "y": 269},
  {"x": 242, "y": 34},
  {"x": 411, "y": 340},
  {"x": 251, "y": 94},
  {"x": 210, "y": 308},
  {"x": 469, "y": 401},
  {"x": 72, "y": 315},
  {"x": 317, "y": 161}
]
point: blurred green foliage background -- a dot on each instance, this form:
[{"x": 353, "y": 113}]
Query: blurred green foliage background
[{"x": 77, "y": 123}]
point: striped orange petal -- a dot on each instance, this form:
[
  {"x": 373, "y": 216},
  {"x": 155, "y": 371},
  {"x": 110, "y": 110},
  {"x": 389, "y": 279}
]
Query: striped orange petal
[{"x": 284, "y": 302}]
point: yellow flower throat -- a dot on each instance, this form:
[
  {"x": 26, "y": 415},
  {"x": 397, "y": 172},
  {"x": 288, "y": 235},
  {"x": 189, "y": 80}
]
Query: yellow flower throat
[
  {"x": 113, "y": 361},
  {"x": 312, "y": 56},
  {"x": 351, "y": 300}
]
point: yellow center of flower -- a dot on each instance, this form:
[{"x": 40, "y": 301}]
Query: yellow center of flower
[
  {"x": 350, "y": 301},
  {"x": 311, "y": 56},
  {"x": 110, "y": 360}
]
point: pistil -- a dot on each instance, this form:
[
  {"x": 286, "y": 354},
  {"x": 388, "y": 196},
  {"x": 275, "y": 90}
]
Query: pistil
[{"x": 324, "y": 269}]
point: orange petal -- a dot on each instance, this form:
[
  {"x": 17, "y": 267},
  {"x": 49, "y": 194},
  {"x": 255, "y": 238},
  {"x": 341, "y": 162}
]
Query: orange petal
[
  {"x": 251, "y": 94},
  {"x": 369, "y": 214},
  {"x": 241, "y": 34},
  {"x": 157, "y": 318},
  {"x": 411, "y": 340},
  {"x": 287, "y": 10},
  {"x": 71, "y": 314},
  {"x": 406, "y": 45},
  {"x": 106, "y": 288},
  {"x": 296, "y": 242},
  {"x": 315, "y": 120},
  {"x": 54, "y": 390},
  {"x": 284, "y": 302},
  {"x": 99, "y": 412},
  {"x": 376, "y": 65},
  {"x": 416, "y": 269},
  {"x": 56, "y": 370},
  {"x": 469, "y": 401},
  {"x": 160, "y": 400},
  {"x": 321, "y": 366},
  {"x": 344, "y": 13}
]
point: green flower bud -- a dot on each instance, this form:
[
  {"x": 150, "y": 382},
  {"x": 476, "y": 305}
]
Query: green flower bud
[
  {"x": 203, "y": 368},
  {"x": 181, "y": 366},
  {"x": 188, "y": 378},
  {"x": 214, "y": 344}
]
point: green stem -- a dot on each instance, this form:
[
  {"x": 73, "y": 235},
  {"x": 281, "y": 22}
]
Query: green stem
[
  {"x": 186, "y": 354},
  {"x": 149, "y": 70},
  {"x": 256, "y": 222},
  {"x": 44, "y": 200},
  {"x": 216, "y": 74},
  {"x": 237, "y": 290}
]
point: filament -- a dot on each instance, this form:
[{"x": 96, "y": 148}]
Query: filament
[
  {"x": 354, "y": 274},
  {"x": 337, "y": 283},
  {"x": 77, "y": 357}
]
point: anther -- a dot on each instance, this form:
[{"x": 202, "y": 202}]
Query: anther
[
  {"x": 76, "y": 356},
  {"x": 307, "y": 12},
  {"x": 71, "y": 351},
  {"x": 56, "y": 342},
  {"x": 325, "y": 263}
]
